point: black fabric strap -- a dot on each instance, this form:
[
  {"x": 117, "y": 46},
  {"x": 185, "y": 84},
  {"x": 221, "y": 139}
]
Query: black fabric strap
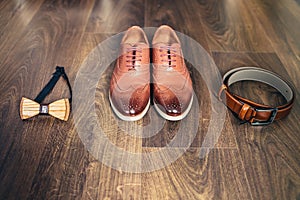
[{"x": 60, "y": 71}]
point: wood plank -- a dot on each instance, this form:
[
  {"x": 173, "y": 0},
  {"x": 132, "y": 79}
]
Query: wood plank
[
  {"x": 15, "y": 15},
  {"x": 281, "y": 24},
  {"x": 103, "y": 182},
  {"x": 115, "y": 16},
  {"x": 191, "y": 178},
  {"x": 268, "y": 153},
  {"x": 231, "y": 26}
]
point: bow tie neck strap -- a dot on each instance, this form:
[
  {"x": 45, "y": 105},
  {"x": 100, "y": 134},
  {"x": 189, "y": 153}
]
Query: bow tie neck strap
[{"x": 60, "y": 71}]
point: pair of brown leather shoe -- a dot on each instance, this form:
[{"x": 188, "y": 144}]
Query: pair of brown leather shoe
[{"x": 129, "y": 93}]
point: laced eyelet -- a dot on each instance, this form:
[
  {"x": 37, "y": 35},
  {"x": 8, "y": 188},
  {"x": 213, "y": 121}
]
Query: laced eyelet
[
  {"x": 133, "y": 55},
  {"x": 169, "y": 55}
]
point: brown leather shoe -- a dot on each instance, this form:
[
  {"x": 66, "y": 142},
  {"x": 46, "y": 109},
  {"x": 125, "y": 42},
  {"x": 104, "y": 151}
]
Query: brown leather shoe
[
  {"x": 173, "y": 90},
  {"x": 129, "y": 93}
]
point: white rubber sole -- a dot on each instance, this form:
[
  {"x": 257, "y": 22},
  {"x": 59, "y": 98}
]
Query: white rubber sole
[
  {"x": 174, "y": 118},
  {"x": 129, "y": 118}
]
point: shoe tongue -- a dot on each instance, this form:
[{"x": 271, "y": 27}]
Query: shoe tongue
[
  {"x": 134, "y": 45},
  {"x": 162, "y": 44}
]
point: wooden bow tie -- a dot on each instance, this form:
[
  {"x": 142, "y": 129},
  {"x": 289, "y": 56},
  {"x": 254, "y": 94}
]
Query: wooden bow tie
[{"x": 59, "y": 109}]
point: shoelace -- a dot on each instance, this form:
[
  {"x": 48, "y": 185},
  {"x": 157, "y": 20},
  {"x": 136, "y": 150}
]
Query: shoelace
[
  {"x": 169, "y": 55},
  {"x": 133, "y": 55}
]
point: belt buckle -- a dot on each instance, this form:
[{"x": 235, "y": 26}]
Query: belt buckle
[{"x": 270, "y": 120}]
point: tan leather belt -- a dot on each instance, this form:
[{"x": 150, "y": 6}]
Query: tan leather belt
[{"x": 249, "y": 111}]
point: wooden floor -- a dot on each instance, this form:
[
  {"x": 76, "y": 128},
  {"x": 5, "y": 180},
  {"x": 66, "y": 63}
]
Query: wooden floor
[{"x": 44, "y": 158}]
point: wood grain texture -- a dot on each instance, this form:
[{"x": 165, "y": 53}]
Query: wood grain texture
[
  {"x": 182, "y": 16},
  {"x": 281, "y": 24},
  {"x": 102, "y": 182},
  {"x": 48, "y": 39},
  {"x": 190, "y": 178},
  {"x": 45, "y": 158},
  {"x": 15, "y": 15},
  {"x": 59, "y": 109},
  {"x": 115, "y": 16},
  {"x": 232, "y": 26},
  {"x": 28, "y": 108}
]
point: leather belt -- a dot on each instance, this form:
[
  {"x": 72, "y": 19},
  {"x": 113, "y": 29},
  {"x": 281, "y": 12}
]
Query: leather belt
[{"x": 249, "y": 111}]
